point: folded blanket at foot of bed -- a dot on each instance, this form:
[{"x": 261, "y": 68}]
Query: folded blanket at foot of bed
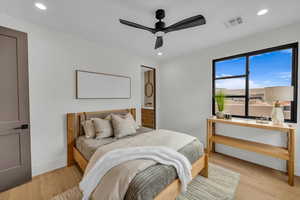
[
  {"x": 162, "y": 155},
  {"x": 112, "y": 186}
]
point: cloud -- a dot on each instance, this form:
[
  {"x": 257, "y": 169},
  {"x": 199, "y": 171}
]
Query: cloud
[
  {"x": 284, "y": 75},
  {"x": 277, "y": 79},
  {"x": 236, "y": 83},
  {"x": 223, "y": 75},
  {"x": 253, "y": 84}
]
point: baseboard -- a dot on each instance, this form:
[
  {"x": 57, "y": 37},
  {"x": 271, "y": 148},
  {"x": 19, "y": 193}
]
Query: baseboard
[{"x": 49, "y": 166}]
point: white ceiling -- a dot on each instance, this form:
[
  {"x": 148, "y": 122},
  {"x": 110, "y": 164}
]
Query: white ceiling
[{"x": 97, "y": 20}]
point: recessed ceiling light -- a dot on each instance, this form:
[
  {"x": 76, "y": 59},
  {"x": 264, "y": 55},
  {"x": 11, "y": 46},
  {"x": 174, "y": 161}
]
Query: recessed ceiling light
[
  {"x": 262, "y": 12},
  {"x": 40, "y": 6},
  {"x": 159, "y": 53}
]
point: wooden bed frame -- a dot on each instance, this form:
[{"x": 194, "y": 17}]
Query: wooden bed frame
[{"x": 74, "y": 130}]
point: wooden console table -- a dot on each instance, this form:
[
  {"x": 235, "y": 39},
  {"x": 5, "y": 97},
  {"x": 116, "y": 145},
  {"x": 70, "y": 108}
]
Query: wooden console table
[{"x": 283, "y": 153}]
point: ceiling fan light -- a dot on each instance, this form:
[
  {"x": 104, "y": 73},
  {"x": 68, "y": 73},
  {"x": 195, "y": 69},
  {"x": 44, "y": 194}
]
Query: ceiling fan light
[
  {"x": 262, "y": 12},
  {"x": 159, "y": 34},
  {"x": 40, "y": 6}
]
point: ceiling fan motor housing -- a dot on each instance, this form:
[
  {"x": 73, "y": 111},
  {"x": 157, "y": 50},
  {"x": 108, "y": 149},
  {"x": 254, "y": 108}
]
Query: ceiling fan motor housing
[
  {"x": 160, "y": 25},
  {"x": 160, "y": 14}
]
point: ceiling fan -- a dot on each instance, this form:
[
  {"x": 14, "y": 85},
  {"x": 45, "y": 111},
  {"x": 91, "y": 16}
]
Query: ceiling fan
[{"x": 160, "y": 28}]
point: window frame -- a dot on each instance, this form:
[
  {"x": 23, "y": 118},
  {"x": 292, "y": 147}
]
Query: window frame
[{"x": 294, "y": 77}]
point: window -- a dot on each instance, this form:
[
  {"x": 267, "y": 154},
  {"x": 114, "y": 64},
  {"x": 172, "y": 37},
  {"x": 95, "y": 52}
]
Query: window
[{"x": 243, "y": 78}]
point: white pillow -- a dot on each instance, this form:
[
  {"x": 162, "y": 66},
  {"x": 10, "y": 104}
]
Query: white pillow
[
  {"x": 124, "y": 116},
  {"x": 130, "y": 117},
  {"x": 122, "y": 126},
  {"x": 89, "y": 129},
  {"x": 103, "y": 128}
]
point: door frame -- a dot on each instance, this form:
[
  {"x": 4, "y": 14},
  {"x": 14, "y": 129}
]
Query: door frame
[{"x": 154, "y": 77}]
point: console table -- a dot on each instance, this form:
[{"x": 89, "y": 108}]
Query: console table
[{"x": 283, "y": 153}]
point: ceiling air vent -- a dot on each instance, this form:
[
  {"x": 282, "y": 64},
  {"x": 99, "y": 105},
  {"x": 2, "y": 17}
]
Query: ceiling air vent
[{"x": 233, "y": 22}]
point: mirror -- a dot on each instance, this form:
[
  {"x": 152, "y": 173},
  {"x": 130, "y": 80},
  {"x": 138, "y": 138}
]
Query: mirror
[{"x": 149, "y": 89}]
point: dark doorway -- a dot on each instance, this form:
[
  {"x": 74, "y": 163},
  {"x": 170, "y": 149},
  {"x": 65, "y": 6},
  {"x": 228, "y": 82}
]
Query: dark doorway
[{"x": 148, "y": 111}]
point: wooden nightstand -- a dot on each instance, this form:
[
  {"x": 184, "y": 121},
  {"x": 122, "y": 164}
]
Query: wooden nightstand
[{"x": 287, "y": 154}]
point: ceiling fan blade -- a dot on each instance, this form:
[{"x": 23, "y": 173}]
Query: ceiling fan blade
[
  {"x": 186, "y": 23},
  {"x": 132, "y": 24},
  {"x": 159, "y": 42}
]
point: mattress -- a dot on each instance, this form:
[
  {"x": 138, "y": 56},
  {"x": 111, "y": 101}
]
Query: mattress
[
  {"x": 148, "y": 183},
  {"x": 88, "y": 146}
]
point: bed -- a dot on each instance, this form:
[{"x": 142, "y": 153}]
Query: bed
[{"x": 145, "y": 184}]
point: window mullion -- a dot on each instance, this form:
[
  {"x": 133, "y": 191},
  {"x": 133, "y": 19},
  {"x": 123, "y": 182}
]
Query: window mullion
[
  {"x": 230, "y": 77},
  {"x": 247, "y": 88},
  {"x": 213, "y": 88},
  {"x": 294, "y": 84}
]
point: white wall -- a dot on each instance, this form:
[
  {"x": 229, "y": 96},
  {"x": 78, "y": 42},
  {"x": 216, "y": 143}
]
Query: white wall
[
  {"x": 53, "y": 59},
  {"x": 185, "y": 93}
]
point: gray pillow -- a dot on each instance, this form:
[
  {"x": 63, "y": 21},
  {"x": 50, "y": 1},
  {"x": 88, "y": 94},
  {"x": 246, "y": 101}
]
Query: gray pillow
[
  {"x": 89, "y": 129},
  {"x": 103, "y": 128},
  {"x": 122, "y": 126}
]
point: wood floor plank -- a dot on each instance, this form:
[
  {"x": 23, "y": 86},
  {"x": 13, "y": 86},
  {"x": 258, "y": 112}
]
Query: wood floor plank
[
  {"x": 257, "y": 182},
  {"x": 45, "y": 186}
]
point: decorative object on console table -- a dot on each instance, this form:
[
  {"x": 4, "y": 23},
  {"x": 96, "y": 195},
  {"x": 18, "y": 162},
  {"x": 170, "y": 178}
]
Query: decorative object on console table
[
  {"x": 283, "y": 153},
  {"x": 278, "y": 94},
  {"x": 262, "y": 120},
  {"x": 220, "y": 99},
  {"x": 227, "y": 116}
]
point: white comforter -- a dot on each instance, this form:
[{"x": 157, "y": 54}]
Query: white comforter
[{"x": 113, "y": 158}]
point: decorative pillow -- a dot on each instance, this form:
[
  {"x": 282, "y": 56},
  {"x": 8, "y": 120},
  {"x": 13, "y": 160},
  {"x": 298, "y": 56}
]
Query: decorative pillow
[
  {"x": 103, "y": 128},
  {"x": 89, "y": 129},
  {"x": 124, "y": 116},
  {"x": 122, "y": 126},
  {"x": 130, "y": 117},
  {"x": 108, "y": 117}
]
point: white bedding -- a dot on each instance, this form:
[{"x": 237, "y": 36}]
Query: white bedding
[
  {"x": 163, "y": 155},
  {"x": 113, "y": 185}
]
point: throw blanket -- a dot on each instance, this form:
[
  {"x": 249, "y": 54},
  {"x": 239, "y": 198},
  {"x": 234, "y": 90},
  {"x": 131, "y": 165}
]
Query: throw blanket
[
  {"x": 114, "y": 184},
  {"x": 161, "y": 155}
]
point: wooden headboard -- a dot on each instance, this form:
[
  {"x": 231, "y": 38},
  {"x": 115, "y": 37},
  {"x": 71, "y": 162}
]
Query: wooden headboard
[{"x": 74, "y": 128}]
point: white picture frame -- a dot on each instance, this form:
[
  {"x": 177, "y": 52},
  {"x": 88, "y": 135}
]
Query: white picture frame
[{"x": 96, "y": 85}]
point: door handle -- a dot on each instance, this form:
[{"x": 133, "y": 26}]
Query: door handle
[{"x": 23, "y": 126}]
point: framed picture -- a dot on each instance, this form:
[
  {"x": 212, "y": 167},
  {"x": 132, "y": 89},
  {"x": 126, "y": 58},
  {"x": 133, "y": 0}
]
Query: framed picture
[{"x": 95, "y": 85}]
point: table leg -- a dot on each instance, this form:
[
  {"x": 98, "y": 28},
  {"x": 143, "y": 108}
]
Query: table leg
[
  {"x": 291, "y": 161},
  {"x": 213, "y": 133},
  {"x": 208, "y": 137},
  {"x": 288, "y": 147}
]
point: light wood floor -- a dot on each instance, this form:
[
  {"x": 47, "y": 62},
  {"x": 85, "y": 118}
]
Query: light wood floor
[{"x": 257, "y": 182}]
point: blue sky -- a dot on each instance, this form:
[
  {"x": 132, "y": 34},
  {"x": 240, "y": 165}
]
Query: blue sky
[{"x": 266, "y": 70}]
